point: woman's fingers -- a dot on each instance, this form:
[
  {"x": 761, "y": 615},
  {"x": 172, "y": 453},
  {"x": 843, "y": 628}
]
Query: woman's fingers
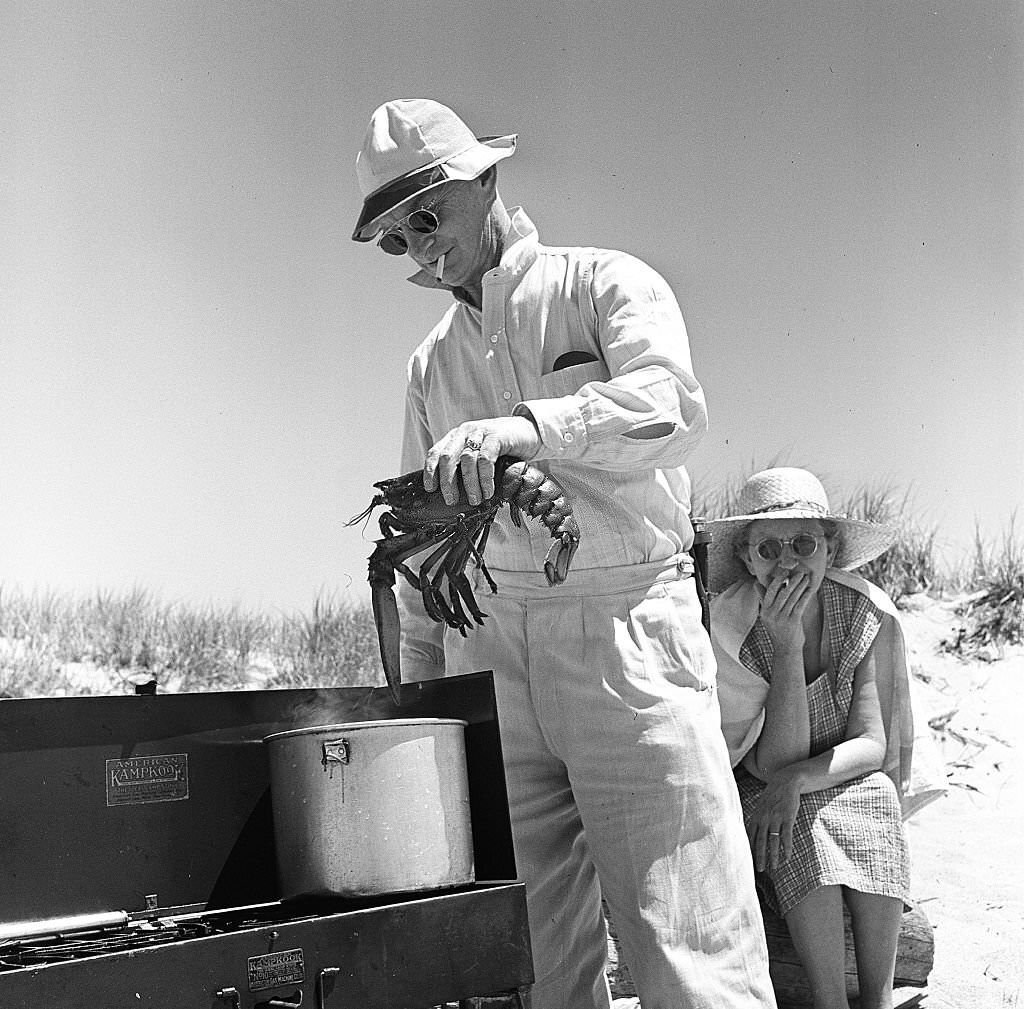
[
  {"x": 770, "y": 829},
  {"x": 773, "y": 844},
  {"x": 786, "y": 842},
  {"x": 790, "y": 588},
  {"x": 766, "y": 845}
]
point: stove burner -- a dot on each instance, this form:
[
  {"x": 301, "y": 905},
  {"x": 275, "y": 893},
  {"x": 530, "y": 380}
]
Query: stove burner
[
  {"x": 158, "y": 931},
  {"x": 51, "y": 949}
]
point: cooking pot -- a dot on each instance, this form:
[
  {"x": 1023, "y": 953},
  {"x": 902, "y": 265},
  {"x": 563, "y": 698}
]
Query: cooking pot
[{"x": 366, "y": 808}]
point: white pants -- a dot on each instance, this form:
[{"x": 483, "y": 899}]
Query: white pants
[{"x": 617, "y": 771}]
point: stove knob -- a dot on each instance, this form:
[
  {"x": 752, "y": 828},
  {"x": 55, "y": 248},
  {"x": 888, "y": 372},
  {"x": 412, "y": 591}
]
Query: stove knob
[{"x": 231, "y": 996}]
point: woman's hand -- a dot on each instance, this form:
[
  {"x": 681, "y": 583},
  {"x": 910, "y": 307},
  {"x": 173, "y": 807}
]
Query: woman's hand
[
  {"x": 783, "y": 604},
  {"x": 770, "y": 828}
]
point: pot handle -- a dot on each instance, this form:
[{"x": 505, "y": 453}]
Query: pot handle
[{"x": 335, "y": 751}]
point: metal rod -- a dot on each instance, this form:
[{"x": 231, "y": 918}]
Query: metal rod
[{"x": 12, "y": 930}]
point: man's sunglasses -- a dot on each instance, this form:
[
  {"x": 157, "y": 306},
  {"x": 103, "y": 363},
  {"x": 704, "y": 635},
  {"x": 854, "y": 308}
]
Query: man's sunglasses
[
  {"x": 423, "y": 221},
  {"x": 803, "y": 544}
]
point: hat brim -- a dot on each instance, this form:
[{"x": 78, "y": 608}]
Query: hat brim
[
  {"x": 462, "y": 167},
  {"x": 859, "y": 542}
]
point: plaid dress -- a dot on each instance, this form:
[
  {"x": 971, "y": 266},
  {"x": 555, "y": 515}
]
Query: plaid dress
[{"x": 850, "y": 834}]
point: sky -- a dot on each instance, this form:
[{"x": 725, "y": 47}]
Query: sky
[{"x": 201, "y": 375}]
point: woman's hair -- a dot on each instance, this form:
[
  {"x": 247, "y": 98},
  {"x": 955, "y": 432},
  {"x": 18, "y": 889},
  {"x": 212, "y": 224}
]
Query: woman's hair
[{"x": 742, "y": 541}]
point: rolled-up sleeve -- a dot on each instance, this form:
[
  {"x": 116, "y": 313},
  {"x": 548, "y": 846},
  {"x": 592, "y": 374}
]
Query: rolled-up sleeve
[{"x": 651, "y": 410}]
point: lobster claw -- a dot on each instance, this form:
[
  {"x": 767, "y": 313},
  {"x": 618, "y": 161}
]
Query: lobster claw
[
  {"x": 389, "y": 635},
  {"x": 559, "y": 557},
  {"x": 565, "y": 539},
  {"x": 386, "y": 619}
]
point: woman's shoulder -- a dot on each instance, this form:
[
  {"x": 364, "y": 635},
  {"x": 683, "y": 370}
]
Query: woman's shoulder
[{"x": 852, "y": 586}]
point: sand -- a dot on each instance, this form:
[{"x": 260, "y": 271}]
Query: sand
[{"x": 967, "y": 855}]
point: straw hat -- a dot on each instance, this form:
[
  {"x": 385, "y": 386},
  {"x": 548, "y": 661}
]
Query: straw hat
[
  {"x": 413, "y": 145},
  {"x": 788, "y": 493}
]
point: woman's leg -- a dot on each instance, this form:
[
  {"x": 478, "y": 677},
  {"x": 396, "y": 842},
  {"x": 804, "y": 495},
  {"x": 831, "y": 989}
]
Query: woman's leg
[
  {"x": 816, "y": 928},
  {"x": 876, "y": 932}
]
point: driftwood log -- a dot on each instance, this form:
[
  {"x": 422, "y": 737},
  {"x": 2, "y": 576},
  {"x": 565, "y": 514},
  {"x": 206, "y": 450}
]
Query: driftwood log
[{"x": 915, "y": 956}]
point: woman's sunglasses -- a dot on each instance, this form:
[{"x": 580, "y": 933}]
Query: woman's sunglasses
[
  {"x": 423, "y": 221},
  {"x": 803, "y": 544}
]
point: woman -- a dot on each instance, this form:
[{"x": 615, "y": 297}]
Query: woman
[{"x": 815, "y": 709}]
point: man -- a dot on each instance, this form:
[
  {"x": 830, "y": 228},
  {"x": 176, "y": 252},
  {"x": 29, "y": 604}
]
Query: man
[{"x": 618, "y": 777}]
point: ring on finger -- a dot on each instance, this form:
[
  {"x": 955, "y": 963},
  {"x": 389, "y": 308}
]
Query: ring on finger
[{"x": 473, "y": 445}]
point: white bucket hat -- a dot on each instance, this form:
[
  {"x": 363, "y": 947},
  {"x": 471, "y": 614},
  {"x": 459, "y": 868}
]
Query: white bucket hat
[
  {"x": 788, "y": 493},
  {"x": 412, "y": 145}
]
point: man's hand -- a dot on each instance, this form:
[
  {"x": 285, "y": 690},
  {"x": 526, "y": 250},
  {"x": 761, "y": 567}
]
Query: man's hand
[{"x": 471, "y": 449}]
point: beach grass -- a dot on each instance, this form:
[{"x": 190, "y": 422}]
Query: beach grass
[
  {"x": 54, "y": 643},
  {"x": 992, "y": 611}
]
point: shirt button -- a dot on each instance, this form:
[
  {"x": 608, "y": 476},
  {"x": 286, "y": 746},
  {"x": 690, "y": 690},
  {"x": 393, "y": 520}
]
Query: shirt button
[
  {"x": 568, "y": 437},
  {"x": 506, "y": 395},
  {"x": 494, "y": 339}
]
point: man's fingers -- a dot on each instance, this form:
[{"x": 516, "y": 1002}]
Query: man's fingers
[
  {"x": 485, "y": 471},
  {"x": 470, "y": 479}
]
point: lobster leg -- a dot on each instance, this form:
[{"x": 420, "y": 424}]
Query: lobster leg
[
  {"x": 459, "y": 588},
  {"x": 433, "y": 602},
  {"x": 478, "y": 553},
  {"x": 456, "y": 606},
  {"x": 451, "y": 567},
  {"x": 461, "y": 591}
]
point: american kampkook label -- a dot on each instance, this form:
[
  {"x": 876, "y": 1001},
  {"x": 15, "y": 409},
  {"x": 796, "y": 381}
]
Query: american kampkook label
[
  {"x": 158, "y": 778},
  {"x": 274, "y": 969}
]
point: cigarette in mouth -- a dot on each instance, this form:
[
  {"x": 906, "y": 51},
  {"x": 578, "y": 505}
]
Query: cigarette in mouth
[{"x": 440, "y": 266}]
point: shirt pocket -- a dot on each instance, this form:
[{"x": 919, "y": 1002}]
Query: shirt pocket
[{"x": 566, "y": 381}]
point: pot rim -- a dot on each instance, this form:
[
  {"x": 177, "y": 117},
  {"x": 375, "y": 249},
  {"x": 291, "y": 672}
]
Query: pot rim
[{"x": 379, "y": 723}]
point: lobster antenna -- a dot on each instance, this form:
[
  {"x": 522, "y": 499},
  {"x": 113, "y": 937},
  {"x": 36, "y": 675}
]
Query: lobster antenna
[{"x": 378, "y": 499}]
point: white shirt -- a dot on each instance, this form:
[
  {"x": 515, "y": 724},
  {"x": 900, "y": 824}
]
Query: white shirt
[{"x": 615, "y": 430}]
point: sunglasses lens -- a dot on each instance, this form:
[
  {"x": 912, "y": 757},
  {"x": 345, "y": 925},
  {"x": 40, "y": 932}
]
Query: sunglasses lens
[
  {"x": 394, "y": 244},
  {"x": 803, "y": 545},
  {"x": 423, "y": 222}
]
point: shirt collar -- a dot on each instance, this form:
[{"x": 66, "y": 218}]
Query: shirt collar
[{"x": 520, "y": 252}]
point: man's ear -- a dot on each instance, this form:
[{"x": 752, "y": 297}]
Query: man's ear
[{"x": 489, "y": 178}]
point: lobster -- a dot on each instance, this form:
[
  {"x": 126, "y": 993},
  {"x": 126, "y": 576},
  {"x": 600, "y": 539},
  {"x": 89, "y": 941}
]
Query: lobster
[{"x": 418, "y": 519}]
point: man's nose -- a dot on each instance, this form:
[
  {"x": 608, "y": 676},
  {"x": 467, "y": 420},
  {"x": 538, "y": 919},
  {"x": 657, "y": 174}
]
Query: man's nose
[{"x": 418, "y": 244}]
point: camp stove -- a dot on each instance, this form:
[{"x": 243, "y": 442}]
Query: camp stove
[{"x": 137, "y": 862}]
